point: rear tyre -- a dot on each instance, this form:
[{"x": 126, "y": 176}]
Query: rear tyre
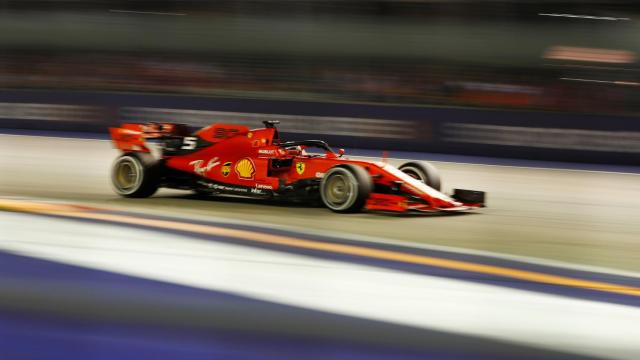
[
  {"x": 423, "y": 171},
  {"x": 345, "y": 188},
  {"x": 135, "y": 175}
]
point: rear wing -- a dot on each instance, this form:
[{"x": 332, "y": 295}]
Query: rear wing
[{"x": 133, "y": 136}]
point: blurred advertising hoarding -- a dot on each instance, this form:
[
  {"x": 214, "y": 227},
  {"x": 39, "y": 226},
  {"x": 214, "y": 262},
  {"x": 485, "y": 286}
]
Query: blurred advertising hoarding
[{"x": 534, "y": 135}]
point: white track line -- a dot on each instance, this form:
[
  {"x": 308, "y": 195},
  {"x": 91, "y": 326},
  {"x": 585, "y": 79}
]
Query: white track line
[
  {"x": 347, "y": 236},
  {"x": 380, "y": 240}
]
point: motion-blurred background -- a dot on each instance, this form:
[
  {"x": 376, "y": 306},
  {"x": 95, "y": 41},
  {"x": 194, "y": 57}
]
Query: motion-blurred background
[
  {"x": 426, "y": 60},
  {"x": 511, "y": 54},
  {"x": 556, "y": 57}
]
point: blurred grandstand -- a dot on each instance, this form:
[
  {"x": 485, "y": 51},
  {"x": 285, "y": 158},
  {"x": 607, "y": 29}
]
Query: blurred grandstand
[{"x": 510, "y": 54}]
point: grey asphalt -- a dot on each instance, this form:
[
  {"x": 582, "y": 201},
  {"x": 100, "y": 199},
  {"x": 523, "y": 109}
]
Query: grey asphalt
[{"x": 582, "y": 217}]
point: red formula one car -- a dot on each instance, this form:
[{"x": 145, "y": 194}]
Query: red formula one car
[{"x": 224, "y": 159}]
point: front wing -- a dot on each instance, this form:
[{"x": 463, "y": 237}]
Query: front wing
[{"x": 470, "y": 199}]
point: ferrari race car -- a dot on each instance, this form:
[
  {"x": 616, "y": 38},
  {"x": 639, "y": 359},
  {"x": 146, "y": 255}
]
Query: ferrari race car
[{"x": 225, "y": 159}]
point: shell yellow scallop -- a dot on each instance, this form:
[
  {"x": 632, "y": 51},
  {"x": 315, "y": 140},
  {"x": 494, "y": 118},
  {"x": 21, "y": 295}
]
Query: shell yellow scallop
[{"x": 245, "y": 169}]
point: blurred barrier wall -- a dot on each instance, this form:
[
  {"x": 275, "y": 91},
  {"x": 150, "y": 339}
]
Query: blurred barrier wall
[
  {"x": 497, "y": 40},
  {"x": 501, "y": 133}
]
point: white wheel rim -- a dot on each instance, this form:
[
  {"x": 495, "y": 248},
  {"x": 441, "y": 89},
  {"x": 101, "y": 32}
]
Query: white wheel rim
[
  {"x": 126, "y": 175},
  {"x": 339, "y": 189}
]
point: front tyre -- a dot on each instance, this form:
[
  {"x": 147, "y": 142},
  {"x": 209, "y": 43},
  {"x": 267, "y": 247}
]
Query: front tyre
[
  {"x": 135, "y": 175},
  {"x": 345, "y": 188},
  {"x": 423, "y": 171}
]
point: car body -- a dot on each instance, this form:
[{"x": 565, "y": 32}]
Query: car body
[{"x": 228, "y": 159}]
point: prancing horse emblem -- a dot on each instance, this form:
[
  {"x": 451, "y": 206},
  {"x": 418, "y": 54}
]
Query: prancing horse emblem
[{"x": 300, "y": 168}]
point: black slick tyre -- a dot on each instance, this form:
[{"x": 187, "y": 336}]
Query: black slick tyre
[
  {"x": 424, "y": 172},
  {"x": 345, "y": 188},
  {"x": 135, "y": 175}
]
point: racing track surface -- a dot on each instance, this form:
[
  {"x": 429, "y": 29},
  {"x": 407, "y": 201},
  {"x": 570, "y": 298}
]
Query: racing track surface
[
  {"x": 175, "y": 276},
  {"x": 582, "y": 217}
]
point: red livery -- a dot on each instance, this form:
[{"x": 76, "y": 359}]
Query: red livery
[{"x": 224, "y": 159}]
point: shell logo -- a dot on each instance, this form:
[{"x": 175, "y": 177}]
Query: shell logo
[{"x": 245, "y": 169}]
